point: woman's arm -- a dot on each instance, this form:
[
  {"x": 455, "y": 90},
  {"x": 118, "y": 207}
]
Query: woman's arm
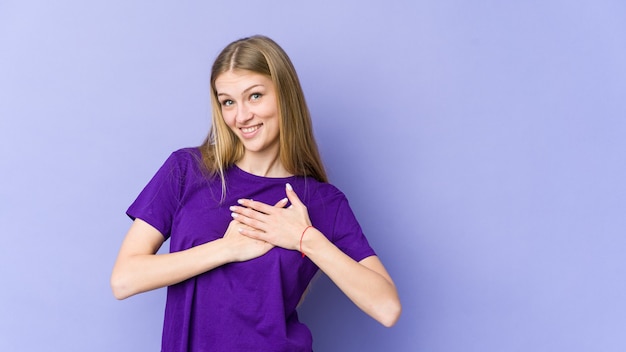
[
  {"x": 366, "y": 283},
  {"x": 138, "y": 268}
]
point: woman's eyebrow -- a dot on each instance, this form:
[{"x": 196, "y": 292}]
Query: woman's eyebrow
[
  {"x": 245, "y": 90},
  {"x": 252, "y": 87}
]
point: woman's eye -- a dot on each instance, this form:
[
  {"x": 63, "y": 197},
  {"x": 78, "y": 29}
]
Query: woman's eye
[
  {"x": 227, "y": 102},
  {"x": 255, "y": 96}
]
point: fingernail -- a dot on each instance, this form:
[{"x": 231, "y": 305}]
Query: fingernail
[
  {"x": 289, "y": 187},
  {"x": 232, "y": 208},
  {"x": 284, "y": 200},
  {"x": 240, "y": 201},
  {"x": 234, "y": 215}
]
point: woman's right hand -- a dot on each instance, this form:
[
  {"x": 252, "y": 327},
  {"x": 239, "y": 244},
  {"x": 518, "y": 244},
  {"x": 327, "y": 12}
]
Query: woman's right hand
[{"x": 242, "y": 247}]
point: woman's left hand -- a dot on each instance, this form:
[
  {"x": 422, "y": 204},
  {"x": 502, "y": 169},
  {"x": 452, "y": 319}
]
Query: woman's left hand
[{"x": 276, "y": 224}]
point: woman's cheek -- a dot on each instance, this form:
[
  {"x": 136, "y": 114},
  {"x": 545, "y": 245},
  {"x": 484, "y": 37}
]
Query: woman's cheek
[{"x": 228, "y": 118}]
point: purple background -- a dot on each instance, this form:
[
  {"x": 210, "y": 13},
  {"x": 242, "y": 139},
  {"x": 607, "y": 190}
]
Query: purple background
[{"x": 482, "y": 145}]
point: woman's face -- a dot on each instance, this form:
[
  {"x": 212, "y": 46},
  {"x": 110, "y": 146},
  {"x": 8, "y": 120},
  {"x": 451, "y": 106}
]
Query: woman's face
[{"x": 249, "y": 108}]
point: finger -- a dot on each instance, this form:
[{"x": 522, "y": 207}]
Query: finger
[
  {"x": 256, "y": 205},
  {"x": 292, "y": 196},
  {"x": 281, "y": 203},
  {"x": 246, "y": 212},
  {"x": 248, "y": 217},
  {"x": 254, "y": 234}
]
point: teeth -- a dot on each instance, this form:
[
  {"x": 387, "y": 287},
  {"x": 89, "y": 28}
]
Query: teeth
[{"x": 249, "y": 129}]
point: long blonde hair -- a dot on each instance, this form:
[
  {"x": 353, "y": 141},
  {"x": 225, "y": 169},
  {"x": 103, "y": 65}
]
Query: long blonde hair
[{"x": 298, "y": 150}]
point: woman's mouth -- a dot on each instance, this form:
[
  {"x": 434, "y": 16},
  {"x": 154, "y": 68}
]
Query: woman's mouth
[{"x": 250, "y": 131}]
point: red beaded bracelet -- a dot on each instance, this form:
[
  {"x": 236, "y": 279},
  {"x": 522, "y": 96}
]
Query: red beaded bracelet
[{"x": 301, "y": 237}]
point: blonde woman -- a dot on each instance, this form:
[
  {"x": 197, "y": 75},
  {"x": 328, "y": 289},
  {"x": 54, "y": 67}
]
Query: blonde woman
[{"x": 251, "y": 218}]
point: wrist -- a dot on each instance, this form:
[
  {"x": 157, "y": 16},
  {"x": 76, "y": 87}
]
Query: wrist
[
  {"x": 302, "y": 238},
  {"x": 227, "y": 253},
  {"x": 311, "y": 241}
]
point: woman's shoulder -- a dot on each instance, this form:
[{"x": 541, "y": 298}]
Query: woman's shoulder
[
  {"x": 324, "y": 190},
  {"x": 185, "y": 156},
  {"x": 184, "y": 160},
  {"x": 187, "y": 153}
]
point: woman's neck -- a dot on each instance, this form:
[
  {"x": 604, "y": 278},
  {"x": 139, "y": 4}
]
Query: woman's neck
[{"x": 263, "y": 166}]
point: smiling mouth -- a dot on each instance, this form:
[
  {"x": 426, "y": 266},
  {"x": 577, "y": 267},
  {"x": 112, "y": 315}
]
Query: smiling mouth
[{"x": 250, "y": 129}]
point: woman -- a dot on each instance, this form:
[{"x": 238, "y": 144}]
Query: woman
[{"x": 251, "y": 217}]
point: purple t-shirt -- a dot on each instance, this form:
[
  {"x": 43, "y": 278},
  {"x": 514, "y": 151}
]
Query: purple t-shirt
[{"x": 247, "y": 306}]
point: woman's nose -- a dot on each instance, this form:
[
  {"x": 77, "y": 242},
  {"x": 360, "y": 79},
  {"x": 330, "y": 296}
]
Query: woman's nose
[{"x": 243, "y": 113}]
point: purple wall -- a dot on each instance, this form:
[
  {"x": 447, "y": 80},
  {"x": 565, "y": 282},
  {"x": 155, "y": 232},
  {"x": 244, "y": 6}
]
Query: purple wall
[{"x": 482, "y": 146}]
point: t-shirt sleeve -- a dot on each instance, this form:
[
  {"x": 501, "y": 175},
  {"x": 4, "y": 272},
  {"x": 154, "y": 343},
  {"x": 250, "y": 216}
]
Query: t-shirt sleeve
[
  {"x": 159, "y": 200},
  {"x": 348, "y": 235}
]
